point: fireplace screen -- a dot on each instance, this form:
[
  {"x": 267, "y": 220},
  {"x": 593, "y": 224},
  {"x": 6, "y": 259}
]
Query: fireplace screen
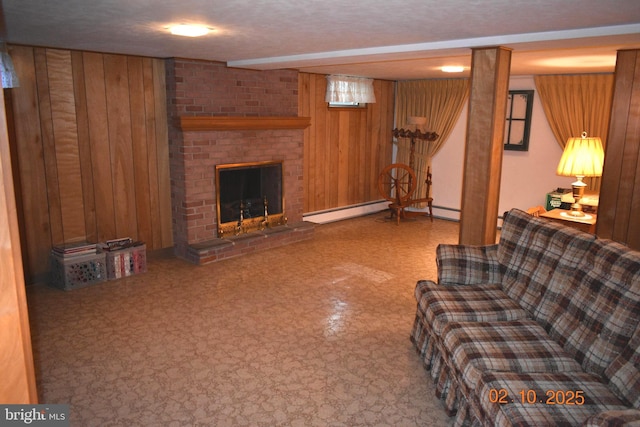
[{"x": 249, "y": 197}]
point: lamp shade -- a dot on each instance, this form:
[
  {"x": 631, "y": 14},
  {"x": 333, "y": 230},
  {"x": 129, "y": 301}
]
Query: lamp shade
[{"x": 583, "y": 156}]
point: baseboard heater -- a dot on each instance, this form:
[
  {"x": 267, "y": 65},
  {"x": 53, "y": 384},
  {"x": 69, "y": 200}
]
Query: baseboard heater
[
  {"x": 352, "y": 211},
  {"x": 345, "y": 212}
]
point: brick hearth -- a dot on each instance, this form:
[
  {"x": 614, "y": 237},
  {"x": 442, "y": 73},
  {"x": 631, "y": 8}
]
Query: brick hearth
[{"x": 208, "y": 89}]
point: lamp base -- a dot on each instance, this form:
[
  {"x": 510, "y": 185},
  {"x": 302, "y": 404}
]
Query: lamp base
[
  {"x": 578, "y": 192},
  {"x": 576, "y": 211}
]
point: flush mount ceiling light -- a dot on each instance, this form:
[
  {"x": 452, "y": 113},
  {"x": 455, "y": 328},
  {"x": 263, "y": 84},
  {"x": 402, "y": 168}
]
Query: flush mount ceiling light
[
  {"x": 189, "y": 30},
  {"x": 452, "y": 68}
]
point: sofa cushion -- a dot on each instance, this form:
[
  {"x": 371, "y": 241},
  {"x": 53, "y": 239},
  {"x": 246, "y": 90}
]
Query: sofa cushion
[
  {"x": 546, "y": 392},
  {"x": 470, "y": 303},
  {"x": 535, "y": 253},
  {"x": 468, "y": 265},
  {"x": 624, "y": 372},
  {"x": 594, "y": 317},
  {"x": 518, "y": 346}
]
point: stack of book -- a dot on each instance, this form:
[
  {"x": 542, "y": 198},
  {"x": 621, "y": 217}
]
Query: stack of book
[
  {"x": 124, "y": 257},
  {"x": 119, "y": 244},
  {"x": 75, "y": 250}
]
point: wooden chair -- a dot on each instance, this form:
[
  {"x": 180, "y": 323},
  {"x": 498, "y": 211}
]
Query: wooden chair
[{"x": 536, "y": 210}]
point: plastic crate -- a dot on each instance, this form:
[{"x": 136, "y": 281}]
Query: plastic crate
[
  {"x": 126, "y": 262},
  {"x": 78, "y": 271}
]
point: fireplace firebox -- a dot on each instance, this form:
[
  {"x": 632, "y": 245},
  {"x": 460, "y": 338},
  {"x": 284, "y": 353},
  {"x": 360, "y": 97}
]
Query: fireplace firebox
[{"x": 249, "y": 197}]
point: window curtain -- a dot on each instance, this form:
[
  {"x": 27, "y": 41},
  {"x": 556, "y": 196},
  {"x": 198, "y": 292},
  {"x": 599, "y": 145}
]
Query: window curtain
[
  {"x": 441, "y": 102},
  {"x": 350, "y": 89},
  {"x": 577, "y": 103}
]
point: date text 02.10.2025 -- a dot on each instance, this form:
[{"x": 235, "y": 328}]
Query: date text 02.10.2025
[{"x": 550, "y": 397}]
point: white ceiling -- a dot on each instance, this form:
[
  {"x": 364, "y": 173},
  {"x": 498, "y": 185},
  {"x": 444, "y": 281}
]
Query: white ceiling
[{"x": 396, "y": 40}]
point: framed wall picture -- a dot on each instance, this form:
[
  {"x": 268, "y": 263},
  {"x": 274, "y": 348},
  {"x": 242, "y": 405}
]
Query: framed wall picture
[{"x": 518, "y": 124}]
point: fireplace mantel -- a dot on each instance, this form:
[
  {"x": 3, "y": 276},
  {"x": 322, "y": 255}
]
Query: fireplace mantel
[{"x": 189, "y": 123}]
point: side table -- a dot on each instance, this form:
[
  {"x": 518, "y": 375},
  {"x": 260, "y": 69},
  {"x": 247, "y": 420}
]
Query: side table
[{"x": 585, "y": 223}]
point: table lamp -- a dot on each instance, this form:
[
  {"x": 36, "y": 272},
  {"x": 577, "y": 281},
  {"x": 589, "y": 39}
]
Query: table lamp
[{"x": 582, "y": 157}]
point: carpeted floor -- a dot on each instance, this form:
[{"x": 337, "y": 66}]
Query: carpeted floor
[{"x": 312, "y": 334}]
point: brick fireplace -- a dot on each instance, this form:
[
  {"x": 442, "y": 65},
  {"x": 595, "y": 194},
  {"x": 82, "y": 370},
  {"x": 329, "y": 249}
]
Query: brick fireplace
[{"x": 221, "y": 116}]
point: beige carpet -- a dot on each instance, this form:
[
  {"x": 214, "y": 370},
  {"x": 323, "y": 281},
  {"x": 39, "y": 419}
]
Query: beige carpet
[{"x": 312, "y": 334}]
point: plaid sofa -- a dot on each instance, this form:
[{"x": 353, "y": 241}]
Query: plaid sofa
[{"x": 541, "y": 329}]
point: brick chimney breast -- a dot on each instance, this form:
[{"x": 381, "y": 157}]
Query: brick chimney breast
[{"x": 210, "y": 89}]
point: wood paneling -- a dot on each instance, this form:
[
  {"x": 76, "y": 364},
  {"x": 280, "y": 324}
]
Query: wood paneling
[
  {"x": 344, "y": 148},
  {"x": 65, "y": 154},
  {"x": 99, "y": 145},
  {"x": 29, "y": 149},
  {"x": 159, "y": 152},
  {"x": 620, "y": 189},
  {"x": 84, "y": 150},
  {"x": 139, "y": 150},
  {"x": 92, "y": 145}
]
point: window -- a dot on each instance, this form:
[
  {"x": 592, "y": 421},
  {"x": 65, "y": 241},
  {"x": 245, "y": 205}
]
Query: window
[
  {"x": 518, "y": 124},
  {"x": 349, "y": 91},
  {"x": 347, "y": 104}
]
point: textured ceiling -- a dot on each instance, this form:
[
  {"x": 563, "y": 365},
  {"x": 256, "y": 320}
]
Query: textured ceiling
[{"x": 406, "y": 39}]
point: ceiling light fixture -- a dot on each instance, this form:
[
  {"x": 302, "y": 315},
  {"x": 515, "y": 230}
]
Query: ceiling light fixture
[
  {"x": 189, "y": 30},
  {"x": 452, "y": 68}
]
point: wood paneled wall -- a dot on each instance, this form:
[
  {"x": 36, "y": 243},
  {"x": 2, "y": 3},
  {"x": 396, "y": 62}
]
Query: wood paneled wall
[
  {"x": 344, "y": 149},
  {"x": 618, "y": 217},
  {"x": 89, "y": 134}
]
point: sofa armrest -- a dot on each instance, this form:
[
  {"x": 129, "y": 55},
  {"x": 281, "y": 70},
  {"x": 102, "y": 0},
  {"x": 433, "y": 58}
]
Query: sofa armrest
[
  {"x": 468, "y": 265},
  {"x": 626, "y": 417}
]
